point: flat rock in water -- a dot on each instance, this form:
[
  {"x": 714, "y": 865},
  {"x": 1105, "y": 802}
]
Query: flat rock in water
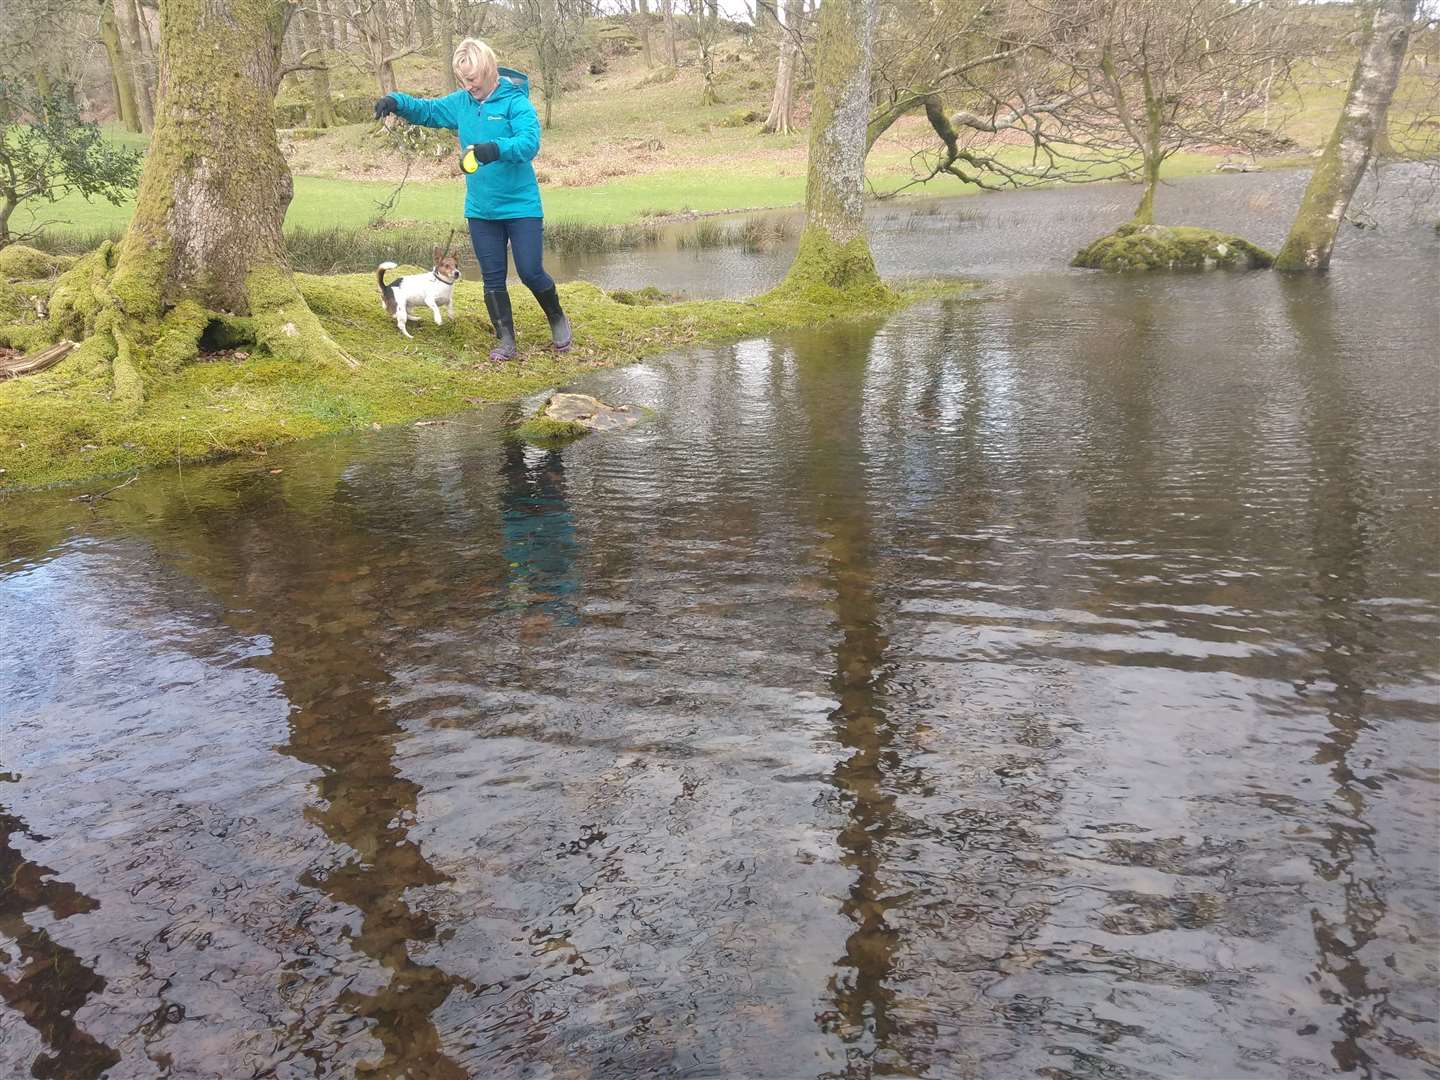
[{"x": 590, "y": 412}]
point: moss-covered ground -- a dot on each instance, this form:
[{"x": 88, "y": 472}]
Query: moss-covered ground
[
  {"x": 543, "y": 431},
  {"x": 70, "y": 424}
]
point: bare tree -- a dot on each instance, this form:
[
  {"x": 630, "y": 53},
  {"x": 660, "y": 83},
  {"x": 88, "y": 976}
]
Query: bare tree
[
  {"x": 1171, "y": 74},
  {"x": 640, "y": 20},
  {"x": 445, "y": 43},
  {"x": 1361, "y": 123},
  {"x": 48, "y": 41},
  {"x": 1417, "y": 100},
  {"x": 992, "y": 84},
  {"x": 705, "y": 28},
  {"x": 334, "y": 38},
  {"x": 790, "y": 34},
  {"x": 1021, "y": 91},
  {"x": 552, "y": 29},
  {"x": 372, "y": 23},
  {"x": 667, "y": 12},
  {"x": 422, "y": 20}
]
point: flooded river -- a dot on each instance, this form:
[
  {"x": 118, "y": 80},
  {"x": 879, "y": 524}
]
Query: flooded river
[{"x": 1042, "y": 684}]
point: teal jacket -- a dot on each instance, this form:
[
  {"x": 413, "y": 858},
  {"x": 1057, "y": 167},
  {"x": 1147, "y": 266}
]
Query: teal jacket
[{"x": 504, "y": 188}]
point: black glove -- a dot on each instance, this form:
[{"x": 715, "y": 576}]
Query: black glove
[
  {"x": 486, "y": 152},
  {"x": 385, "y": 107}
]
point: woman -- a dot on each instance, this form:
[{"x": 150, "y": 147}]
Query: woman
[{"x": 497, "y": 123}]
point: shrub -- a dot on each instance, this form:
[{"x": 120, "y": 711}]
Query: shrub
[{"x": 47, "y": 150}]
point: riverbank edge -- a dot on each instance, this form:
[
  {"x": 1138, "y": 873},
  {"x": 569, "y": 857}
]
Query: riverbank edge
[{"x": 62, "y": 427}]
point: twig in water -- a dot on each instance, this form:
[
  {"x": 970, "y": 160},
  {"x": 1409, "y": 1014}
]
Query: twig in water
[{"x": 95, "y": 498}]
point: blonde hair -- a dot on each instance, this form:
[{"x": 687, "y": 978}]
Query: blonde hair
[{"x": 474, "y": 59}]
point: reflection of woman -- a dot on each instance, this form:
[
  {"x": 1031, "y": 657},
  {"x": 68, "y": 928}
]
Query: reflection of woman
[
  {"x": 539, "y": 533},
  {"x": 498, "y": 127}
]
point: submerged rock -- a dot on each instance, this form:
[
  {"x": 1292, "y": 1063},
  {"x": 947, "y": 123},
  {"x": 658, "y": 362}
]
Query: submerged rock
[
  {"x": 569, "y": 416},
  {"x": 1171, "y": 247},
  {"x": 589, "y": 412}
]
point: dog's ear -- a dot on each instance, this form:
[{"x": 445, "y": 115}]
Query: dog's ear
[{"x": 436, "y": 250}]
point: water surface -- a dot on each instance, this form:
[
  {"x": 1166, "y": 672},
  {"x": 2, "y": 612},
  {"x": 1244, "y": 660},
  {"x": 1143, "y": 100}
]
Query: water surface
[{"x": 1041, "y": 685}]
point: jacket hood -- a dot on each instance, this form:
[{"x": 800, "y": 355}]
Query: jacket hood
[{"x": 511, "y": 82}]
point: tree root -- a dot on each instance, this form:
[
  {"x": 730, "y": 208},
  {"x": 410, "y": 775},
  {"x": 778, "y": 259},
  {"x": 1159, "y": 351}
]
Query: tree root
[
  {"x": 284, "y": 323},
  {"x": 125, "y": 332}
]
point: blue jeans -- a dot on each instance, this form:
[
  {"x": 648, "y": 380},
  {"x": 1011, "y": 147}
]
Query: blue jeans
[{"x": 525, "y": 237}]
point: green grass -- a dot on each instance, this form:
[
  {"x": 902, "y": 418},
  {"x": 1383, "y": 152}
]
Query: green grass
[
  {"x": 323, "y": 204},
  {"x": 328, "y": 204}
]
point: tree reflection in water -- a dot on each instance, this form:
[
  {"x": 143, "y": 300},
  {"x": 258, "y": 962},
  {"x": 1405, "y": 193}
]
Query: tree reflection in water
[
  {"x": 331, "y": 663},
  {"x": 1342, "y": 521},
  {"x": 830, "y": 378},
  {"x": 42, "y": 980}
]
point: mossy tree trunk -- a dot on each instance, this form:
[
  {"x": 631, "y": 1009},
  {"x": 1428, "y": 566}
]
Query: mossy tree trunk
[
  {"x": 833, "y": 248},
  {"x": 1361, "y": 124},
  {"x": 215, "y": 187},
  {"x": 1153, "y": 154},
  {"x": 205, "y": 242},
  {"x": 129, "y": 16},
  {"x": 322, "y": 107},
  {"x": 123, "y": 82}
]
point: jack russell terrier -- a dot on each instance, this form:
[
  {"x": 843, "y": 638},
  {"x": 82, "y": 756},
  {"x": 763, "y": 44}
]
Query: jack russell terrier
[{"x": 412, "y": 290}]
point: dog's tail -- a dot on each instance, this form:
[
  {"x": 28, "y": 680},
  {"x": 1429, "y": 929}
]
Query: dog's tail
[{"x": 387, "y": 292}]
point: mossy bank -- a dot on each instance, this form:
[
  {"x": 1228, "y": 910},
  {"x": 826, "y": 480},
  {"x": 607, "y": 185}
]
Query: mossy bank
[{"x": 69, "y": 424}]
